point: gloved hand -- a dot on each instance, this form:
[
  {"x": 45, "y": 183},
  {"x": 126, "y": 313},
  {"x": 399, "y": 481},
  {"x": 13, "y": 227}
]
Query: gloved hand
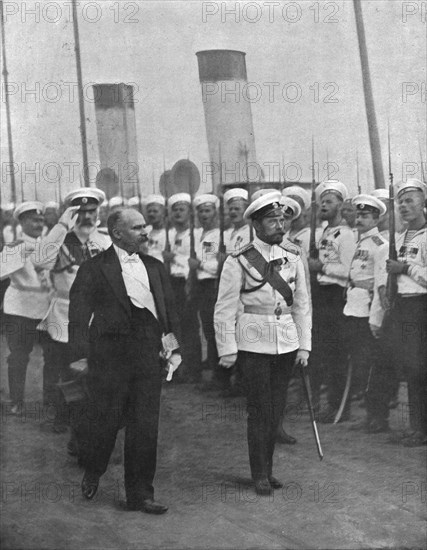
[
  {"x": 69, "y": 217},
  {"x": 227, "y": 361},
  {"x": 79, "y": 366},
  {"x": 173, "y": 363},
  {"x": 376, "y": 331},
  {"x": 302, "y": 357}
]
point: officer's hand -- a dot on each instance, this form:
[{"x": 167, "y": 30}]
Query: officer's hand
[
  {"x": 173, "y": 363},
  {"x": 227, "y": 361},
  {"x": 385, "y": 304},
  {"x": 376, "y": 331},
  {"x": 69, "y": 217},
  {"x": 315, "y": 265},
  {"x": 302, "y": 357},
  {"x": 79, "y": 366},
  {"x": 194, "y": 263},
  {"x": 393, "y": 266}
]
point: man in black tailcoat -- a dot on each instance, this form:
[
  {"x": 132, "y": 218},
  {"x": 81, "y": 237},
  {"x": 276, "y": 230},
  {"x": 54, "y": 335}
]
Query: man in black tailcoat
[{"x": 121, "y": 304}]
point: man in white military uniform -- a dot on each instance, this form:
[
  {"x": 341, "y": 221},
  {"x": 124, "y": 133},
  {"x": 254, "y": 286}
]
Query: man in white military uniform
[
  {"x": 299, "y": 232},
  {"x": 27, "y": 298},
  {"x": 363, "y": 311},
  {"x": 205, "y": 265},
  {"x": 262, "y": 316},
  {"x": 154, "y": 213},
  {"x": 410, "y": 309},
  {"x": 329, "y": 358},
  {"x": 75, "y": 247},
  {"x": 179, "y": 206},
  {"x": 239, "y": 235}
]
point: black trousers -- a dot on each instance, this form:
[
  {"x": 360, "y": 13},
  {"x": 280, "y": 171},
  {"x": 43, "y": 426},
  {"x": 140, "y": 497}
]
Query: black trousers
[
  {"x": 409, "y": 331},
  {"x": 329, "y": 355},
  {"x": 204, "y": 299},
  {"x": 266, "y": 379},
  {"x": 190, "y": 330},
  {"x": 124, "y": 383},
  {"x": 21, "y": 336}
]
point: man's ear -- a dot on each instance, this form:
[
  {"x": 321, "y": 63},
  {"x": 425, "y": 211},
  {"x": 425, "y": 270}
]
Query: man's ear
[{"x": 117, "y": 234}]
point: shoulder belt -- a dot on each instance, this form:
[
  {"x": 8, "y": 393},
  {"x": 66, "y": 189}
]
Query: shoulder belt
[
  {"x": 267, "y": 272},
  {"x": 377, "y": 240},
  {"x": 242, "y": 250}
]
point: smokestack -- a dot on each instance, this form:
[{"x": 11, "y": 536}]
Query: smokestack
[
  {"x": 226, "y": 101},
  {"x": 116, "y": 129}
]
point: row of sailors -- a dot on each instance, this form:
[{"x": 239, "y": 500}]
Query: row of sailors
[{"x": 42, "y": 271}]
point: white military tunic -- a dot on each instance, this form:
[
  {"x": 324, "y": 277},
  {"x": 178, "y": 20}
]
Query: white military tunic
[
  {"x": 248, "y": 321},
  {"x": 180, "y": 246},
  {"x": 156, "y": 243},
  {"x": 236, "y": 239},
  {"x": 206, "y": 244},
  {"x": 64, "y": 270},
  {"x": 336, "y": 250},
  {"x": 366, "y": 266}
]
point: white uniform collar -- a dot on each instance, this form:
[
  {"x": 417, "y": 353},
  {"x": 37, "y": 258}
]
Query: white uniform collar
[{"x": 370, "y": 233}]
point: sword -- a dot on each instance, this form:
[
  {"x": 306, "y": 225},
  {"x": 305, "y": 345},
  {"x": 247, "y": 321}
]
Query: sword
[{"x": 307, "y": 389}]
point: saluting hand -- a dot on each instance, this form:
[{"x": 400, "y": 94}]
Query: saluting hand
[{"x": 69, "y": 217}]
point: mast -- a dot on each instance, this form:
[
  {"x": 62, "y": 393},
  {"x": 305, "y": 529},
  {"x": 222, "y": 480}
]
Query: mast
[
  {"x": 81, "y": 98},
  {"x": 8, "y": 118},
  {"x": 374, "y": 139}
]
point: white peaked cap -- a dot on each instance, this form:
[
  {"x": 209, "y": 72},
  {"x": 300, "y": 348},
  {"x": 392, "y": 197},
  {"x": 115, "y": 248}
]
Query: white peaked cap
[
  {"x": 179, "y": 197},
  {"x": 380, "y": 193},
  {"x": 297, "y": 191},
  {"x": 92, "y": 193},
  {"x": 412, "y": 185},
  {"x": 332, "y": 186},
  {"x": 236, "y": 193},
  {"x": 289, "y": 202},
  {"x": 272, "y": 200},
  {"x": 206, "y": 198},
  {"x": 28, "y": 206},
  {"x": 262, "y": 192},
  {"x": 155, "y": 199},
  {"x": 363, "y": 201}
]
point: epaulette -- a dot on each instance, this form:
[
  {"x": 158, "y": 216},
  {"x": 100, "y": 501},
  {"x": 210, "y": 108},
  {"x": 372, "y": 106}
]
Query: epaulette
[
  {"x": 337, "y": 233},
  {"x": 293, "y": 248},
  {"x": 377, "y": 240},
  {"x": 242, "y": 250}
]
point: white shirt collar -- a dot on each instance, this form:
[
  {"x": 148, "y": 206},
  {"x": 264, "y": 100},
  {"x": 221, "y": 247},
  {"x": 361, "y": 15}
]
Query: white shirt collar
[{"x": 125, "y": 257}]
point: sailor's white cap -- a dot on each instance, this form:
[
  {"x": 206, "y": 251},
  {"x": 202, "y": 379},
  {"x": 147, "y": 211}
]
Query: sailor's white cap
[
  {"x": 332, "y": 186},
  {"x": 412, "y": 185},
  {"x": 235, "y": 194},
  {"x": 206, "y": 198},
  {"x": 368, "y": 203},
  {"x": 85, "y": 197},
  {"x": 133, "y": 201},
  {"x": 8, "y": 206},
  {"x": 380, "y": 194},
  {"x": 116, "y": 201},
  {"x": 297, "y": 191},
  {"x": 288, "y": 203},
  {"x": 265, "y": 205},
  {"x": 28, "y": 206},
  {"x": 179, "y": 197},
  {"x": 51, "y": 204},
  {"x": 155, "y": 199}
]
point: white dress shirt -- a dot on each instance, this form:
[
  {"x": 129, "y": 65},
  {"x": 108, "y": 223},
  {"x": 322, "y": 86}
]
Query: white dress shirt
[{"x": 136, "y": 280}]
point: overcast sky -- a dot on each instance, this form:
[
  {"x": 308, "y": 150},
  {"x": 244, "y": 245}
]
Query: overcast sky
[{"x": 153, "y": 45}]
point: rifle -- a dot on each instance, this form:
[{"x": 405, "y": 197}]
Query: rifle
[
  {"x": 313, "y": 250},
  {"x": 167, "y": 240},
  {"x": 359, "y": 187},
  {"x": 246, "y": 153},
  {"x": 221, "y": 248},
  {"x": 192, "y": 275},
  {"x": 307, "y": 391},
  {"x": 391, "y": 290}
]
